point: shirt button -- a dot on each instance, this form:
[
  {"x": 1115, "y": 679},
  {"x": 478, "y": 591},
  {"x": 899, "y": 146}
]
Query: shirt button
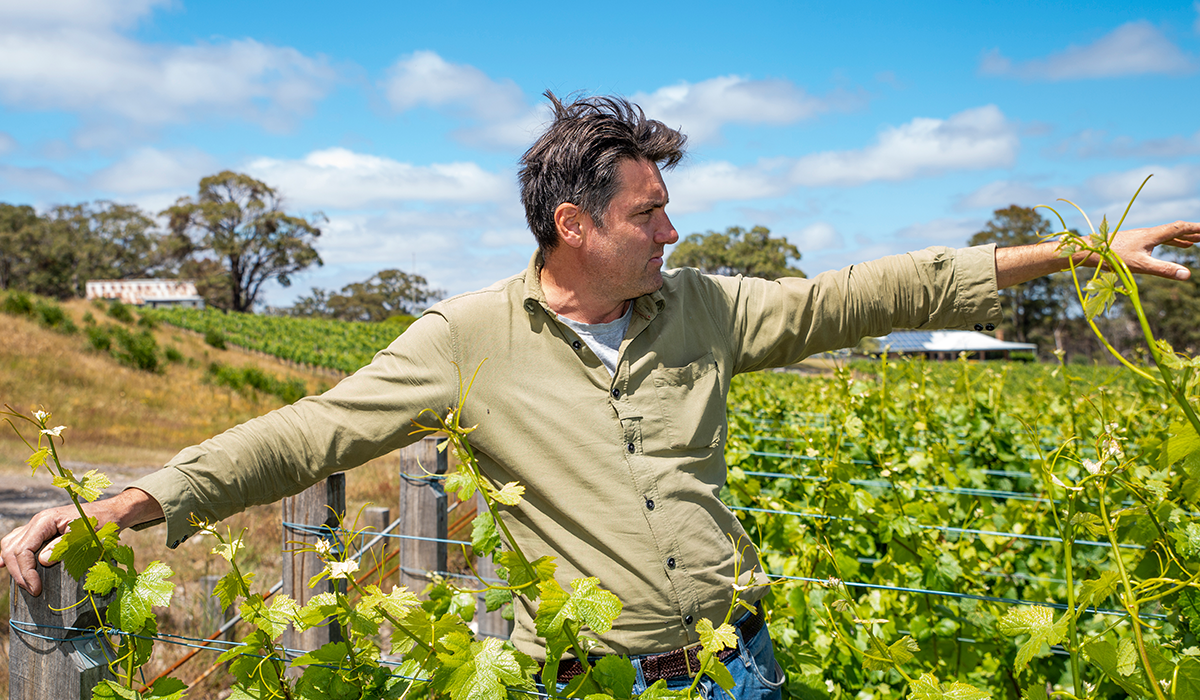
[
  {"x": 630, "y": 447},
  {"x": 649, "y": 504},
  {"x": 688, "y": 619},
  {"x": 990, "y": 327},
  {"x": 978, "y": 326},
  {"x": 616, "y": 393},
  {"x": 576, "y": 344},
  {"x": 671, "y": 563}
]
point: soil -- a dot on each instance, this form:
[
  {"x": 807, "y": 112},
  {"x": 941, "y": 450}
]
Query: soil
[{"x": 22, "y": 496}]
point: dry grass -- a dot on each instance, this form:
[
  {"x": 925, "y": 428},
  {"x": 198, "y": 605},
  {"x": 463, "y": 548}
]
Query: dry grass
[{"x": 124, "y": 419}]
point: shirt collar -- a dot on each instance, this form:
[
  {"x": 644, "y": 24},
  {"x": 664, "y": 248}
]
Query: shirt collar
[{"x": 647, "y": 305}]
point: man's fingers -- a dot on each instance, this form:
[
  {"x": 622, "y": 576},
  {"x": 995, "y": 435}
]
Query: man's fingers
[{"x": 44, "y": 556}]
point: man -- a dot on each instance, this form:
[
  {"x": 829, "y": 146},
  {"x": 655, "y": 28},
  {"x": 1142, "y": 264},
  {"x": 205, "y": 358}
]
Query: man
[{"x": 601, "y": 388}]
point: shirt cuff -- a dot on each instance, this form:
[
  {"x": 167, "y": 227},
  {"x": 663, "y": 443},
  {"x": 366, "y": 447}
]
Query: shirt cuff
[
  {"x": 169, "y": 487},
  {"x": 977, "y": 299}
]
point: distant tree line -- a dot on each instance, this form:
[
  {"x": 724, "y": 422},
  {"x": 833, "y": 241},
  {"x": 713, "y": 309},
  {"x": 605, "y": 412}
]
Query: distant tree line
[{"x": 230, "y": 239}]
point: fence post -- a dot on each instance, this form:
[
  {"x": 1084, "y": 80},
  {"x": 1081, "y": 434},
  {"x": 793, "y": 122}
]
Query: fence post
[
  {"x": 317, "y": 507},
  {"x": 70, "y": 663},
  {"x": 375, "y": 520},
  {"x": 422, "y": 513},
  {"x": 491, "y": 624}
]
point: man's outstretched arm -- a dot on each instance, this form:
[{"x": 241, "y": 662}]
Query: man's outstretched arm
[
  {"x": 1136, "y": 247},
  {"x": 19, "y": 548}
]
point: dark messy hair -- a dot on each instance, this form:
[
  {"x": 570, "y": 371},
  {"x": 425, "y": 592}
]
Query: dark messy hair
[{"x": 578, "y": 157}]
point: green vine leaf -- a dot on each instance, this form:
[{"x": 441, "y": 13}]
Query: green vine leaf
[
  {"x": 482, "y": 670},
  {"x": 588, "y": 604},
  {"x": 231, "y": 587},
  {"x": 616, "y": 675},
  {"x": 38, "y": 459},
  {"x": 1100, "y": 294},
  {"x": 271, "y": 619},
  {"x": 714, "y": 640},
  {"x": 510, "y": 494},
  {"x": 1105, "y": 657},
  {"x": 102, "y": 578},
  {"x": 485, "y": 538},
  {"x": 518, "y": 573},
  {"x": 1038, "y": 622},
  {"x": 461, "y": 483},
  {"x": 89, "y": 488},
  {"x": 1094, "y": 592},
  {"x": 78, "y": 550},
  {"x": 138, "y": 593},
  {"x": 1127, "y": 656},
  {"x": 927, "y": 688},
  {"x": 881, "y": 658},
  {"x": 496, "y": 598}
]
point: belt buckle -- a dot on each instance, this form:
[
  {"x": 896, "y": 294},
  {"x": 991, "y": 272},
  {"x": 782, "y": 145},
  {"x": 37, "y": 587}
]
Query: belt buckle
[{"x": 687, "y": 658}]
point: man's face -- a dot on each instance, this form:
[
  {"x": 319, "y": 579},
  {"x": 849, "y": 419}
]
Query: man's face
[{"x": 626, "y": 254}]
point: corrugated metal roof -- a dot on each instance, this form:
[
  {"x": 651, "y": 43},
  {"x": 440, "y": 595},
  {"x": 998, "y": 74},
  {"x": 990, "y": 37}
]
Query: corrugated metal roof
[{"x": 946, "y": 341}]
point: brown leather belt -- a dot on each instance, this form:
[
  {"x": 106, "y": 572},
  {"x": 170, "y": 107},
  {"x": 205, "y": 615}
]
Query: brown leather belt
[{"x": 680, "y": 663}]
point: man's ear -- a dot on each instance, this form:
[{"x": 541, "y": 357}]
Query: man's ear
[{"x": 572, "y": 224}]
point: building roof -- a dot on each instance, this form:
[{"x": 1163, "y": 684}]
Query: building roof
[
  {"x": 142, "y": 291},
  {"x": 946, "y": 341}
]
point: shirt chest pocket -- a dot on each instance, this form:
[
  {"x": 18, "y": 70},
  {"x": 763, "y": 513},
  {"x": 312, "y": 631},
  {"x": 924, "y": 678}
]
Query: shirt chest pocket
[{"x": 692, "y": 404}]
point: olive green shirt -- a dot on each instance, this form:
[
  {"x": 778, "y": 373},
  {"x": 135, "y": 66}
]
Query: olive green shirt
[{"x": 622, "y": 472}]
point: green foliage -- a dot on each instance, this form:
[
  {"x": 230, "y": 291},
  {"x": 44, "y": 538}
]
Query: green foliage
[
  {"x": 389, "y": 294},
  {"x": 46, "y": 312},
  {"x": 249, "y": 377},
  {"x": 137, "y": 350},
  {"x": 119, "y": 311},
  {"x": 214, "y": 338},
  {"x": 752, "y": 253},
  {"x": 340, "y": 345}
]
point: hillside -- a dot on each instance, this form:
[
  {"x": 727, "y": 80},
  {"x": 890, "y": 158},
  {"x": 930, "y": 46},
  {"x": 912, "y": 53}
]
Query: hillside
[{"x": 119, "y": 415}]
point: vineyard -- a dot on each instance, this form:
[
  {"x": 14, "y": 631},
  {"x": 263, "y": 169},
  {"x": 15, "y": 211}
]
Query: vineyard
[
  {"x": 933, "y": 497},
  {"x": 340, "y": 345},
  {"x": 935, "y": 531}
]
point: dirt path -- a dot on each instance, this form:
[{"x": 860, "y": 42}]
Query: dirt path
[{"x": 22, "y": 495}]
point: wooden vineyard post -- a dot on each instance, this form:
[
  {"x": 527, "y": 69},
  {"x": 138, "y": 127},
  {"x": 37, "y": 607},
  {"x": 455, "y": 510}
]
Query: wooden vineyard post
[
  {"x": 491, "y": 624},
  {"x": 70, "y": 663},
  {"x": 422, "y": 513},
  {"x": 318, "y": 507},
  {"x": 374, "y": 520}
]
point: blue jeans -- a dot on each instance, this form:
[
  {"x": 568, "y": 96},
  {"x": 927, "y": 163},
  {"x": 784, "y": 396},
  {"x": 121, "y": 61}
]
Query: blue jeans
[{"x": 756, "y": 674}]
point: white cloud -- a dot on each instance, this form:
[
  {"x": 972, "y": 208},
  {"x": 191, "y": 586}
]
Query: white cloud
[
  {"x": 1168, "y": 183},
  {"x": 1196, "y": 22},
  {"x": 818, "y": 236},
  {"x": 1094, "y": 143},
  {"x": 497, "y": 108},
  {"x": 7, "y": 143},
  {"x": 1003, "y": 193},
  {"x": 150, "y": 170},
  {"x": 944, "y": 231},
  {"x": 970, "y": 140},
  {"x": 1136, "y": 48},
  {"x": 424, "y": 78},
  {"x": 701, "y": 109},
  {"x": 40, "y": 182},
  {"x": 337, "y": 178},
  {"x": 695, "y": 187},
  {"x": 75, "y": 57}
]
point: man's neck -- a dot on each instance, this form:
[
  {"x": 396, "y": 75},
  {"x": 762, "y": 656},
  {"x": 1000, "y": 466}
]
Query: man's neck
[{"x": 567, "y": 294}]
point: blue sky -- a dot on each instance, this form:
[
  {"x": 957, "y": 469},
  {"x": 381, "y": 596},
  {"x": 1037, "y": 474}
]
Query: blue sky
[{"x": 856, "y": 130}]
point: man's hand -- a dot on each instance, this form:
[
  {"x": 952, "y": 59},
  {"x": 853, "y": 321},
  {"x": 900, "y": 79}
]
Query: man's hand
[
  {"x": 19, "y": 548},
  {"x": 1136, "y": 247}
]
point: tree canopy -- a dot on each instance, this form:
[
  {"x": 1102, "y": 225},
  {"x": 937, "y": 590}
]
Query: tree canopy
[
  {"x": 55, "y": 254},
  {"x": 240, "y": 222},
  {"x": 386, "y": 294},
  {"x": 752, "y": 253}
]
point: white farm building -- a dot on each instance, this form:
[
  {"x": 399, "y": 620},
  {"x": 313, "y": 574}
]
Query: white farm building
[
  {"x": 946, "y": 345},
  {"x": 148, "y": 293}
]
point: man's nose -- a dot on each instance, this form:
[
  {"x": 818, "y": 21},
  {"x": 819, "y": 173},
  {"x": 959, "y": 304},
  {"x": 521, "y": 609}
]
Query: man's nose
[{"x": 667, "y": 234}]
